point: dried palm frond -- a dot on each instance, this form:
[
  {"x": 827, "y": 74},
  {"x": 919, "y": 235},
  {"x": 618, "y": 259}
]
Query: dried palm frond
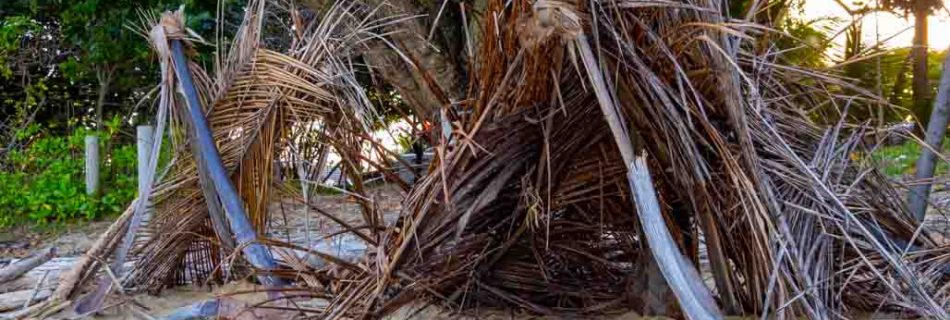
[
  {"x": 531, "y": 207},
  {"x": 254, "y": 102},
  {"x": 265, "y": 98},
  {"x": 528, "y": 203}
]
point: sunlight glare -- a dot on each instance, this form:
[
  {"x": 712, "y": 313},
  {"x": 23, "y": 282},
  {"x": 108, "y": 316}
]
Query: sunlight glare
[{"x": 895, "y": 31}]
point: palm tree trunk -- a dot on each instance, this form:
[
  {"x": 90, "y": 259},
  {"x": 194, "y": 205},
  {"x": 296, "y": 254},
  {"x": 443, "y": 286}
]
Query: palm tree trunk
[{"x": 921, "y": 86}]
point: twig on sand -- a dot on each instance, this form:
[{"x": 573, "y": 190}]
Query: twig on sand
[
  {"x": 17, "y": 269},
  {"x": 36, "y": 289}
]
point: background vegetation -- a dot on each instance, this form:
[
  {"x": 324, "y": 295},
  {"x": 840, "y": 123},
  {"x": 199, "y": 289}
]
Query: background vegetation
[
  {"x": 72, "y": 68},
  {"x": 44, "y": 180},
  {"x": 69, "y": 69}
]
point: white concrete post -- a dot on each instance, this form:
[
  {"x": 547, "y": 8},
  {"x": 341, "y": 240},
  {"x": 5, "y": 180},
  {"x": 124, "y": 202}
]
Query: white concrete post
[
  {"x": 143, "y": 147},
  {"x": 92, "y": 164},
  {"x": 144, "y": 137}
]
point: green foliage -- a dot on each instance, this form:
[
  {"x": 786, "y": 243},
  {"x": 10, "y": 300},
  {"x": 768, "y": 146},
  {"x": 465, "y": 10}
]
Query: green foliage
[
  {"x": 908, "y": 6},
  {"x": 805, "y": 44},
  {"x": 898, "y": 160},
  {"x": 56, "y": 57},
  {"x": 891, "y": 70},
  {"x": 45, "y": 181},
  {"x": 12, "y": 29},
  {"x": 86, "y": 55},
  {"x": 404, "y": 140},
  {"x": 98, "y": 30}
]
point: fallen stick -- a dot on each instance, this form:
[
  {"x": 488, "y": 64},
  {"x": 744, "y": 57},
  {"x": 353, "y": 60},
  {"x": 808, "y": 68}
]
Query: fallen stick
[
  {"x": 22, "y": 313},
  {"x": 103, "y": 245},
  {"x": 232, "y": 308},
  {"x": 197, "y": 310},
  {"x": 17, "y": 269},
  {"x": 56, "y": 267},
  {"x": 36, "y": 290},
  {"x": 16, "y": 299}
]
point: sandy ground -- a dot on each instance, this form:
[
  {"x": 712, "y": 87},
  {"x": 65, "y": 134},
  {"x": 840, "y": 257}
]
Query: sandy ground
[
  {"x": 69, "y": 239},
  {"x": 289, "y": 223},
  {"x": 289, "y": 217}
]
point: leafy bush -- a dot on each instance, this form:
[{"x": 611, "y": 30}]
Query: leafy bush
[
  {"x": 44, "y": 181},
  {"x": 899, "y": 160},
  {"x": 12, "y": 29}
]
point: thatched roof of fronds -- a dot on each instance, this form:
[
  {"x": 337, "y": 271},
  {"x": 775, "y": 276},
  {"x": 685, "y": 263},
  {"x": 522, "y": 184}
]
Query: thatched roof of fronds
[{"x": 529, "y": 204}]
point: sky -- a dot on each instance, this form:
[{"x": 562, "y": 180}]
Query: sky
[{"x": 893, "y": 30}]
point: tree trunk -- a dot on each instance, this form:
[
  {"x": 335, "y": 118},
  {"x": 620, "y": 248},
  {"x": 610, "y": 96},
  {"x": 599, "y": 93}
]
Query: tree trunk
[
  {"x": 16, "y": 299},
  {"x": 900, "y": 82},
  {"x": 17, "y": 269},
  {"x": 437, "y": 81},
  {"x": 921, "y": 87},
  {"x": 105, "y": 79},
  {"x": 936, "y": 129}
]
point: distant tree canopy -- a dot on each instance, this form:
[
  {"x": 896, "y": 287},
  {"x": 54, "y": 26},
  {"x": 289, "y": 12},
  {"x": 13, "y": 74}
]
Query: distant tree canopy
[
  {"x": 910, "y": 5},
  {"x": 887, "y": 73},
  {"x": 69, "y": 69},
  {"x": 75, "y": 63},
  {"x": 922, "y": 88}
]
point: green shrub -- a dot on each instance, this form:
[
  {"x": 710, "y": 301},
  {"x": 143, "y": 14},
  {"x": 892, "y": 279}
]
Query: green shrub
[
  {"x": 44, "y": 181},
  {"x": 899, "y": 160}
]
